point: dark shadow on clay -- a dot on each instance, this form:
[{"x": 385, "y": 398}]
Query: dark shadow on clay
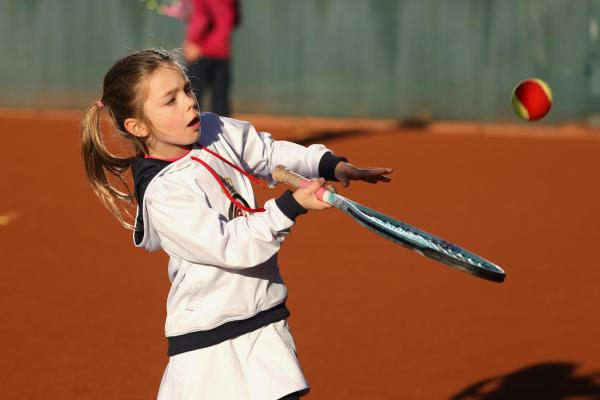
[{"x": 547, "y": 381}]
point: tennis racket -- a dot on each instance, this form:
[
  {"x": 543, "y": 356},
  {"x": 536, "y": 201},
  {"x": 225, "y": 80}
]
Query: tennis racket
[{"x": 400, "y": 232}]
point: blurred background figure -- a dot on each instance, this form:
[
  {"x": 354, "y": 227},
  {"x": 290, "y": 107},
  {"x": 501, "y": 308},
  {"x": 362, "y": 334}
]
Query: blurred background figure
[{"x": 207, "y": 47}]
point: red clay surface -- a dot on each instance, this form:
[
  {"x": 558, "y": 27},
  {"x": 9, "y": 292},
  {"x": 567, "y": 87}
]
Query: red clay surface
[{"x": 82, "y": 309}]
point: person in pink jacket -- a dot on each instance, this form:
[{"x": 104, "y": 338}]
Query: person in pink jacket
[{"x": 207, "y": 49}]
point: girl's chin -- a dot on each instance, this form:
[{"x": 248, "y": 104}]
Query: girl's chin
[
  {"x": 190, "y": 138},
  {"x": 196, "y": 136}
]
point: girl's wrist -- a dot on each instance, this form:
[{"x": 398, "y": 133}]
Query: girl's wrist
[
  {"x": 328, "y": 165},
  {"x": 288, "y": 205}
]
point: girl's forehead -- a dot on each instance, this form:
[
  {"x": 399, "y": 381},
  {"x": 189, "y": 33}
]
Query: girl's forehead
[{"x": 165, "y": 78}]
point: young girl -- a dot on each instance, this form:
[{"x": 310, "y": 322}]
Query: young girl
[{"x": 226, "y": 315}]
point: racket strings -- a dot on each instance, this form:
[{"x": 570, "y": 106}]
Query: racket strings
[{"x": 429, "y": 241}]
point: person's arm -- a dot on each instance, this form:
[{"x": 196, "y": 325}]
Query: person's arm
[
  {"x": 216, "y": 41},
  {"x": 197, "y": 27},
  {"x": 260, "y": 154},
  {"x": 189, "y": 228},
  {"x": 198, "y": 23}
]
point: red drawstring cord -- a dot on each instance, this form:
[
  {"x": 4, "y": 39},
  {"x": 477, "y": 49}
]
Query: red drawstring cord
[
  {"x": 252, "y": 178},
  {"x": 223, "y": 187}
]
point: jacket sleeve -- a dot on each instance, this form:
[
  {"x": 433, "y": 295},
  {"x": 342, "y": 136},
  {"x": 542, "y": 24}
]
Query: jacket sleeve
[
  {"x": 198, "y": 23},
  {"x": 189, "y": 228},
  {"x": 218, "y": 39},
  {"x": 260, "y": 154},
  {"x": 211, "y": 26}
]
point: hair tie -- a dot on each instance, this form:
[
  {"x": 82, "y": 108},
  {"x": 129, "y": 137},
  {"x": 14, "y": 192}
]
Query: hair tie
[{"x": 100, "y": 104}]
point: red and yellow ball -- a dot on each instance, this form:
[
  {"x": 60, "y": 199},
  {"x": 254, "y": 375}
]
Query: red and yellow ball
[{"x": 532, "y": 99}]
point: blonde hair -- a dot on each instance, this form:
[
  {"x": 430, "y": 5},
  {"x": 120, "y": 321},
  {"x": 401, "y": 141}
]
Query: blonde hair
[{"x": 123, "y": 96}]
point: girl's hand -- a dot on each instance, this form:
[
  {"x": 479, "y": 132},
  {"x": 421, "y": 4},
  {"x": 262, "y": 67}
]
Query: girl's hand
[
  {"x": 306, "y": 196},
  {"x": 191, "y": 52},
  {"x": 346, "y": 172}
]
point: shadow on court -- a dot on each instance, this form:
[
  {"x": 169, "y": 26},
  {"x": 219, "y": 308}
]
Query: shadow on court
[
  {"x": 548, "y": 381},
  {"x": 409, "y": 124}
]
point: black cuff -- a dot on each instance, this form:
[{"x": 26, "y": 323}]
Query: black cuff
[
  {"x": 327, "y": 166},
  {"x": 289, "y": 206}
]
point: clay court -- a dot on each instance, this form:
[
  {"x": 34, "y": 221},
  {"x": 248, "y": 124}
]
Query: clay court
[{"x": 83, "y": 310}]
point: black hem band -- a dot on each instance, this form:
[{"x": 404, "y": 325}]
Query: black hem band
[{"x": 201, "y": 339}]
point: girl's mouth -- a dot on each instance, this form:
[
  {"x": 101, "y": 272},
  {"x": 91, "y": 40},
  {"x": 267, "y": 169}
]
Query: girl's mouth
[{"x": 195, "y": 123}]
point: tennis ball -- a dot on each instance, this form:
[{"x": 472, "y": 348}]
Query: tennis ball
[{"x": 532, "y": 99}]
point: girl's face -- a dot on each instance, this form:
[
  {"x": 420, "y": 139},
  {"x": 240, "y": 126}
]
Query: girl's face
[{"x": 171, "y": 109}]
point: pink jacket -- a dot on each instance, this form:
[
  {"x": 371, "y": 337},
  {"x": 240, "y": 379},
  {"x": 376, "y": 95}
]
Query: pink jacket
[{"x": 210, "y": 26}]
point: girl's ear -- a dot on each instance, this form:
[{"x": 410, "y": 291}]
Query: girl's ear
[{"x": 136, "y": 127}]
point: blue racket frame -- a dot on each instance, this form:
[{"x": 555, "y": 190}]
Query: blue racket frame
[{"x": 415, "y": 239}]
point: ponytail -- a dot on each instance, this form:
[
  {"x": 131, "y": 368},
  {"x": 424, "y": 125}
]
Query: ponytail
[
  {"x": 123, "y": 97},
  {"x": 98, "y": 160}
]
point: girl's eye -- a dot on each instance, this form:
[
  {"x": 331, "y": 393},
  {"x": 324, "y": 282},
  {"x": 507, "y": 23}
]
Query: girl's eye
[{"x": 172, "y": 101}]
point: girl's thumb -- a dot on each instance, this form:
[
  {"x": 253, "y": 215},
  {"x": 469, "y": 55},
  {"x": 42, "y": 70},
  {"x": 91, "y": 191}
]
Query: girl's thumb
[{"x": 315, "y": 184}]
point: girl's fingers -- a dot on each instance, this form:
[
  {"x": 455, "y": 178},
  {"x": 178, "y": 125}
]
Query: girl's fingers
[
  {"x": 374, "y": 175},
  {"x": 317, "y": 183},
  {"x": 378, "y": 171},
  {"x": 384, "y": 178},
  {"x": 378, "y": 178},
  {"x": 371, "y": 172}
]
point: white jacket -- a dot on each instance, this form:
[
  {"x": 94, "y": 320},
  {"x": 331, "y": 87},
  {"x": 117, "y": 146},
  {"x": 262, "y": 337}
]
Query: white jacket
[{"x": 221, "y": 270}]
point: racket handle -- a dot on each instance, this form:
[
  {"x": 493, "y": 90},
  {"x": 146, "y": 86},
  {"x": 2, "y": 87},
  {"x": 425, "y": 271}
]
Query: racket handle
[{"x": 290, "y": 178}]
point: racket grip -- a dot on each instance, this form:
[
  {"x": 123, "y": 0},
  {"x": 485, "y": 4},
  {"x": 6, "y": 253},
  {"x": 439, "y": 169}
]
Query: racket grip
[{"x": 290, "y": 178}]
